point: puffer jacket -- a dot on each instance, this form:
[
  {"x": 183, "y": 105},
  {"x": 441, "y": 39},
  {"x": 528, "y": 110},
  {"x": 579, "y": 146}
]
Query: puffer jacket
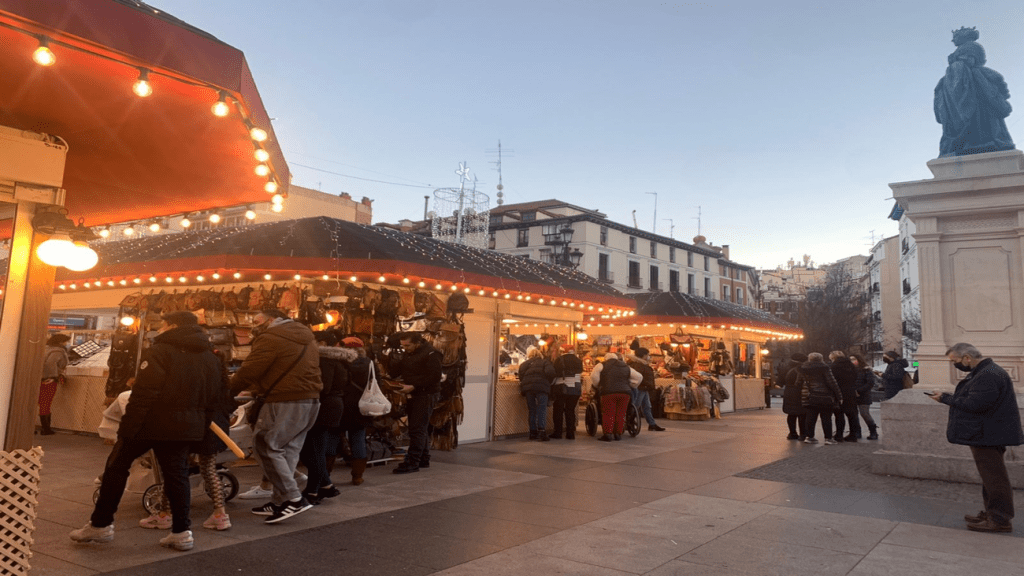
[
  {"x": 645, "y": 370},
  {"x": 893, "y": 377},
  {"x": 273, "y": 351},
  {"x": 983, "y": 409},
  {"x": 536, "y": 375},
  {"x": 865, "y": 386},
  {"x": 54, "y": 362},
  {"x": 614, "y": 377},
  {"x": 845, "y": 374},
  {"x": 176, "y": 389},
  {"x": 334, "y": 373},
  {"x": 420, "y": 369},
  {"x": 818, "y": 387},
  {"x": 792, "y": 403}
]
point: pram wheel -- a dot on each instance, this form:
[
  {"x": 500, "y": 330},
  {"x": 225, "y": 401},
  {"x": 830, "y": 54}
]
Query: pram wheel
[
  {"x": 228, "y": 484},
  {"x": 590, "y": 418},
  {"x": 151, "y": 498},
  {"x": 632, "y": 420}
]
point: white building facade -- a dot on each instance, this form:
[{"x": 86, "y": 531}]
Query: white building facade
[
  {"x": 911, "y": 288},
  {"x": 630, "y": 259}
]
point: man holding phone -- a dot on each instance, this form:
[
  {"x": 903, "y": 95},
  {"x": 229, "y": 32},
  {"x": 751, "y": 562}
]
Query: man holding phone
[{"x": 983, "y": 415}]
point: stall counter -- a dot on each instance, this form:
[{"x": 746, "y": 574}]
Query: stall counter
[{"x": 748, "y": 393}]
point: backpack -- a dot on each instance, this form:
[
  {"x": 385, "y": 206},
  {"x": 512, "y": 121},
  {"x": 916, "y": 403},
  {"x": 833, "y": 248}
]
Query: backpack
[
  {"x": 458, "y": 303},
  {"x": 289, "y": 298},
  {"x": 258, "y": 298},
  {"x": 908, "y": 380},
  {"x": 243, "y": 298},
  {"x": 390, "y": 302},
  {"x": 229, "y": 300}
]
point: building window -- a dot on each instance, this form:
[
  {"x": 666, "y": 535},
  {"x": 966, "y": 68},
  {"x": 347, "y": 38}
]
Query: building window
[
  {"x": 655, "y": 282},
  {"x": 524, "y": 237},
  {"x": 689, "y": 259},
  {"x": 654, "y": 249},
  {"x": 602, "y": 269},
  {"x": 707, "y": 263},
  {"x": 634, "y": 275},
  {"x": 707, "y": 286},
  {"x": 672, "y": 254},
  {"x": 739, "y": 296},
  {"x": 604, "y": 235},
  {"x": 726, "y": 293},
  {"x": 492, "y": 241},
  {"x": 529, "y": 216},
  {"x": 632, "y": 244},
  {"x": 673, "y": 280},
  {"x": 495, "y": 219},
  {"x": 691, "y": 284}
]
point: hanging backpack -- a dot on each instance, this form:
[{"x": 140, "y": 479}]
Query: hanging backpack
[
  {"x": 289, "y": 298},
  {"x": 390, "y": 302}
]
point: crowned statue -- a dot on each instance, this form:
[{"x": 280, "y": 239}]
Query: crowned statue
[{"x": 971, "y": 101}]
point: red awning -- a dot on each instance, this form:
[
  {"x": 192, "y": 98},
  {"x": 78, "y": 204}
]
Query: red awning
[{"x": 132, "y": 158}]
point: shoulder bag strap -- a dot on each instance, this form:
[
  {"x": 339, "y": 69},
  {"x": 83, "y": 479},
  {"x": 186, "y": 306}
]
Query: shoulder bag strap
[{"x": 285, "y": 373}]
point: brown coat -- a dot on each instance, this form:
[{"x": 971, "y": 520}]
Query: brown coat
[{"x": 272, "y": 353}]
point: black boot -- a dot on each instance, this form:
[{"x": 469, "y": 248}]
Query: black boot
[
  {"x": 533, "y": 434},
  {"x": 45, "y": 425},
  {"x": 543, "y": 436},
  {"x": 874, "y": 433},
  {"x": 605, "y": 438}
]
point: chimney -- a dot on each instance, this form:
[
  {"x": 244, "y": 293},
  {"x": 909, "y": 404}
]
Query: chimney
[
  {"x": 725, "y": 251},
  {"x": 405, "y": 224},
  {"x": 366, "y": 201}
]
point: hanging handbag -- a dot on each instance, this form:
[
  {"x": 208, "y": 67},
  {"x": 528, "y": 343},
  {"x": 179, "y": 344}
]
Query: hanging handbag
[
  {"x": 373, "y": 402},
  {"x": 257, "y": 403}
]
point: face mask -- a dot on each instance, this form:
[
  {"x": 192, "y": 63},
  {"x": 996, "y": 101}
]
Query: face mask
[{"x": 961, "y": 367}]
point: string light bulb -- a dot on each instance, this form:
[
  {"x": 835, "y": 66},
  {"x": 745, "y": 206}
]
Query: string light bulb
[
  {"x": 381, "y": 279},
  {"x": 154, "y": 227},
  {"x": 43, "y": 55},
  {"x": 129, "y": 231},
  {"x": 422, "y": 284},
  {"x": 277, "y": 208},
  {"x": 142, "y": 87},
  {"x": 185, "y": 222},
  {"x": 270, "y": 187},
  {"x": 105, "y": 232},
  {"x": 237, "y": 275},
  {"x": 214, "y": 218},
  {"x": 258, "y": 134},
  {"x": 220, "y": 108},
  {"x": 250, "y": 214},
  {"x": 261, "y": 154},
  {"x": 262, "y": 170},
  {"x": 277, "y": 199},
  {"x": 215, "y": 276}
]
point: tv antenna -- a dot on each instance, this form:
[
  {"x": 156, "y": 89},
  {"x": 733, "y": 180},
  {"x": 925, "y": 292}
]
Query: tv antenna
[
  {"x": 872, "y": 237},
  {"x": 698, "y": 220},
  {"x": 671, "y": 227},
  {"x": 497, "y": 163}
]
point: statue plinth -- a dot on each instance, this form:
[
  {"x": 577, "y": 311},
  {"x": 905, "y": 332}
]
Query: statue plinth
[
  {"x": 970, "y": 250},
  {"x": 970, "y": 247}
]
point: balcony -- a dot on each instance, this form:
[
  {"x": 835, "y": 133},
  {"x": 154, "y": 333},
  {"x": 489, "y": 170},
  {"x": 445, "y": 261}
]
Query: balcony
[
  {"x": 656, "y": 287},
  {"x": 634, "y": 282},
  {"x": 606, "y": 276}
]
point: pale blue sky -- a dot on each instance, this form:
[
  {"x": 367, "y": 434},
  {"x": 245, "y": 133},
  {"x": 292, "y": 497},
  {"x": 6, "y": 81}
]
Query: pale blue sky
[{"x": 784, "y": 120}]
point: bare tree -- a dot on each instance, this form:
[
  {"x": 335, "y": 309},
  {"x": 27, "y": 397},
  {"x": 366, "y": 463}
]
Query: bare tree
[
  {"x": 834, "y": 313},
  {"x": 911, "y": 330}
]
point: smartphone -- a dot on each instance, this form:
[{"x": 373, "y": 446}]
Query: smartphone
[{"x": 929, "y": 392}]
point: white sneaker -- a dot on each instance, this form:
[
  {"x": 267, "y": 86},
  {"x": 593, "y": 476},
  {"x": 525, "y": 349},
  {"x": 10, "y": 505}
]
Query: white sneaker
[
  {"x": 830, "y": 442},
  {"x": 255, "y": 493},
  {"x": 181, "y": 541},
  {"x": 89, "y": 533},
  {"x": 158, "y": 521}
]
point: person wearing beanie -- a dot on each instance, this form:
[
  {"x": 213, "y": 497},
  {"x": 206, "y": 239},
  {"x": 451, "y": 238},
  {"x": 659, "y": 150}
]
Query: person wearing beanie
[
  {"x": 792, "y": 406},
  {"x": 895, "y": 368}
]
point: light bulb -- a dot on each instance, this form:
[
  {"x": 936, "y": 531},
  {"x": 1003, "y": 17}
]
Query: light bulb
[
  {"x": 267, "y": 277},
  {"x": 123, "y": 282},
  {"x": 261, "y": 155},
  {"x": 56, "y": 251},
  {"x": 352, "y": 278},
  {"x": 277, "y": 199},
  {"x": 215, "y": 276},
  {"x": 270, "y": 187},
  {"x": 422, "y": 284},
  {"x": 298, "y": 277},
  {"x": 129, "y": 231},
  {"x": 185, "y": 222},
  {"x": 250, "y": 215},
  {"x": 154, "y": 227},
  {"x": 43, "y": 56},
  {"x": 214, "y": 218},
  {"x": 105, "y": 233},
  {"x": 258, "y": 134},
  {"x": 110, "y": 282},
  {"x": 152, "y": 278},
  {"x": 200, "y": 278},
  {"x": 277, "y": 207},
  {"x": 182, "y": 279},
  {"x": 127, "y": 321},
  {"x": 137, "y": 281},
  {"x": 237, "y": 275},
  {"x": 382, "y": 279},
  {"x": 262, "y": 170},
  {"x": 142, "y": 87},
  {"x": 220, "y": 108}
]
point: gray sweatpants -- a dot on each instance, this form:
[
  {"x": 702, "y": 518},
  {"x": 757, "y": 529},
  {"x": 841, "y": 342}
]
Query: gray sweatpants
[{"x": 277, "y": 438}]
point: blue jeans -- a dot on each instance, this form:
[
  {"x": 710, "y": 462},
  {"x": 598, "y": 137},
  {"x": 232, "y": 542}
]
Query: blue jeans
[
  {"x": 537, "y": 407},
  {"x": 357, "y": 442},
  {"x": 642, "y": 400}
]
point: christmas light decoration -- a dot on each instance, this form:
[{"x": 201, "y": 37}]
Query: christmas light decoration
[
  {"x": 220, "y": 109},
  {"x": 142, "y": 87},
  {"x": 43, "y": 55}
]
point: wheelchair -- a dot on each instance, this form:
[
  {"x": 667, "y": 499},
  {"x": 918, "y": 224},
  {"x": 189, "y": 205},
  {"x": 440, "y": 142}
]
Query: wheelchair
[{"x": 592, "y": 418}]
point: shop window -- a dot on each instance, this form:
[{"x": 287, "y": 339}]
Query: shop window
[
  {"x": 634, "y": 275},
  {"x": 672, "y": 254},
  {"x": 707, "y": 286},
  {"x": 603, "y": 274},
  {"x": 673, "y": 280},
  {"x": 689, "y": 259},
  {"x": 691, "y": 284},
  {"x": 654, "y": 249},
  {"x": 632, "y": 244},
  {"x": 604, "y": 235},
  {"x": 524, "y": 237},
  {"x": 655, "y": 282}
]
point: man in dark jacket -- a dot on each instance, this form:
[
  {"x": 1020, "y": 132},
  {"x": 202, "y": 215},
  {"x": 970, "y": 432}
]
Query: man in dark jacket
[
  {"x": 845, "y": 374},
  {"x": 819, "y": 394},
  {"x": 567, "y": 390},
  {"x": 984, "y": 415},
  {"x": 283, "y": 367},
  {"x": 535, "y": 378},
  {"x": 420, "y": 371},
  {"x": 174, "y": 395},
  {"x": 792, "y": 405},
  {"x": 895, "y": 368},
  {"x": 642, "y": 393}
]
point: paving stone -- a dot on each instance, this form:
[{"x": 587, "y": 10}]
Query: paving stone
[
  {"x": 592, "y": 544},
  {"x": 762, "y": 557},
  {"x": 735, "y": 488},
  {"x": 515, "y": 563},
  {"x": 959, "y": 541},
  {"x": 901, "y": 561},
  {"x": 835, "y": 532}
]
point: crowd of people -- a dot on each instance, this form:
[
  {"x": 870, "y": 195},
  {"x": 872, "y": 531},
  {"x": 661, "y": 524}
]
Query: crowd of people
[{"x": 838, "y": 391}]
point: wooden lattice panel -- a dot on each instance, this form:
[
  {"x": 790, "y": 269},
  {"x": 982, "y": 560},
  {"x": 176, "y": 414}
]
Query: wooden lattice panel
[{"x": 19, "y": 488}]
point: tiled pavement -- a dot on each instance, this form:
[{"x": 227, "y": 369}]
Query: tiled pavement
[{"x": 660, "y": 504}]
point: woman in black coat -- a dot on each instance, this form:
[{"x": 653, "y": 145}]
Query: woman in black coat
[
  {"x": 791, "y": 404},
  {"x": 894, "y": 371},
  {"x": 865, "y": 386},
  {"x": 535, "y": 378},
  {"x": 334, "y": 375},
  {"x": 353, "y": 423}
]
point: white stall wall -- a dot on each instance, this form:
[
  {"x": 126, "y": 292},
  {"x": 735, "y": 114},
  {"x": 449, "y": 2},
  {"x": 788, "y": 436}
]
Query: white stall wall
[{"x": 477, "y": 395}]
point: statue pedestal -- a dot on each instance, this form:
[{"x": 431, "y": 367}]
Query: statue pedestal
[
  {"x": 914, "y": 443},
  {"x": 970, "y": 247}
]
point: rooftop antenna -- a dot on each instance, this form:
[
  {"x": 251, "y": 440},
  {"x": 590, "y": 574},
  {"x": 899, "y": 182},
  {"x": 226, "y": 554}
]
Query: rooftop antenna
[
  {"x": 872, "y": 245},
  {"x": 654, "y": 229},
  {"x": 634, "y": 220},
  {"x": 671, "y": 227},
  {"x": 497, "y": 163},
  {"x": 698, "y": 221}
]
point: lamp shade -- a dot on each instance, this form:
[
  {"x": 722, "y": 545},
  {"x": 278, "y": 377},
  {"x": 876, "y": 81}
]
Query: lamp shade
[
  {"x": 56, "y": 251},
  {"x": 81, "y": 257}
]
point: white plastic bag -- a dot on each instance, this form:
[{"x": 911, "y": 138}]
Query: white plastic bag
[{"x": 373, "y": 402}]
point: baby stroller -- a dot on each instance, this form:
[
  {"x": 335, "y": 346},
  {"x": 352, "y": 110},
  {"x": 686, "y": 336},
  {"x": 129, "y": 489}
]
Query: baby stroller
[
  {"x": 145, "y": 472},
  {"x": 593, "y": 416}
]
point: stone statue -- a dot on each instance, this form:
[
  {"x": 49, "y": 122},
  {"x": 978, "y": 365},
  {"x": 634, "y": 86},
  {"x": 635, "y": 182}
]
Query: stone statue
[{"x": 971, "y": 101}]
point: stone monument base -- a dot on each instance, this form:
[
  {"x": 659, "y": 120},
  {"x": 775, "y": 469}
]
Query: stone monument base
[{"x": 914, "y": 443}]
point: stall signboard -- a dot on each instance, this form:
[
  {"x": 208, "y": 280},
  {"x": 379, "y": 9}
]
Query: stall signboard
[{"x": 65, "y": 322}]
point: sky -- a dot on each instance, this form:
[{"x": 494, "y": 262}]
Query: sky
[{"x": 781, "y": 122}]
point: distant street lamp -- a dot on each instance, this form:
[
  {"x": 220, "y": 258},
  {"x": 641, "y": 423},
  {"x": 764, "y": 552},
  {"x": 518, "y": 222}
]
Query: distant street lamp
[{"x": 560, "y": 239}]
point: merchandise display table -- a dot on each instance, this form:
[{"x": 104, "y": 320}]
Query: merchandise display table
[{"x": 510, "y": 411}]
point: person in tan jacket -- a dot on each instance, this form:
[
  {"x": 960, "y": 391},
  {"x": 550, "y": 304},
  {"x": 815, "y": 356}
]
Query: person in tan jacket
[{"x": 284, "y": 368}]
